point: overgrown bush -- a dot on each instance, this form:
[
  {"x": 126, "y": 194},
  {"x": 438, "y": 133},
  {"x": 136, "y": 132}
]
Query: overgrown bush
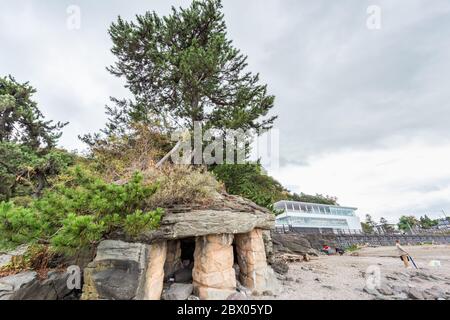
[
  {"x": 80, "y": 210},
  {"x": 117, "y": 157},
  {"x": 250, "y": 181},
  {"x": 18, "y": 225},
  {"x": 182, "y": 184}
]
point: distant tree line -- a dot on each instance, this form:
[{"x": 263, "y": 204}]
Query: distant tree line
[{"x": 405, "y": 224}]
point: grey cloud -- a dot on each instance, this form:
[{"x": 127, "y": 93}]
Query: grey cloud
[
  {"x": 338, "y": 84},
  {"x": 339, "y": 87}
]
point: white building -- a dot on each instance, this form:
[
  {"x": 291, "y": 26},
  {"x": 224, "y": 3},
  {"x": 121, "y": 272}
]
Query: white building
[{"x": 301, "y": 215}]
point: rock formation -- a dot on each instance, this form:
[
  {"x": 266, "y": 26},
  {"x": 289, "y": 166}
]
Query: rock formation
[
  {"x": 227, "y": 227},
  {"x": 27, "y": 286},
  {"x": 217, "y": 250}
]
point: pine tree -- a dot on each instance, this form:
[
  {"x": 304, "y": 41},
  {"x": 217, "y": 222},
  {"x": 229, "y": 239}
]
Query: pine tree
[
  {"x": 21, "y": 121},
  {"x": 386, "y": 226},
  {"x": 369, "y": 225},
  {"x": 27, "y": 141},
  {"x": 182, "y": 68}
]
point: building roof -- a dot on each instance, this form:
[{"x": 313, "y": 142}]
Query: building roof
[{"x": 315, "y": 204}]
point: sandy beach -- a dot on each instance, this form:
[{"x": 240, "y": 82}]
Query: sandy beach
[{"x": 346, "y": 277}]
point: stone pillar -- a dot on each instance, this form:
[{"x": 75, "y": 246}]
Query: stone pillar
[
  {"x": 213, "y": 274},
  {"x": 154, "y": 277},
  {"x": 255, "y": 274},
  {"x": 173, "y": 259}
]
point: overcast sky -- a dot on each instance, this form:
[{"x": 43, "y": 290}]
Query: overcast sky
[{"x": 364, "y": 113}]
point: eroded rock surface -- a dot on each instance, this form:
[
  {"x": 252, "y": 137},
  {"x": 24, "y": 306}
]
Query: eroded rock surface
[
  {"x": 117, "y": 272},
  {"x": 293, "y": 243},
  {"x": 213, "y": 274},
  {"x": 411, "y": 284},
  {"x": 27, "y": 286},
  {"x": 255, "y": 273}
]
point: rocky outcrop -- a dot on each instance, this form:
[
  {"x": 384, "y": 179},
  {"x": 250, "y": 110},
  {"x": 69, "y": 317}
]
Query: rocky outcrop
[
  {"x": 117, "y": 272},
  {"x": 6, "y": 257},
  {"x": 125, "y": 271},
  {"x": 135, "y": 269},
  {"x": 13, "y": 284},
  {"x": 412, "y": 285},
  {"x": 268, "y": 244},
  {"x": 213, "y": 274},
  {"x": 293, "y": 243},
  {"x": 255, "y": 274},
  {"x": 225, "y": 215},
  {"x": 27, "y": 286}
]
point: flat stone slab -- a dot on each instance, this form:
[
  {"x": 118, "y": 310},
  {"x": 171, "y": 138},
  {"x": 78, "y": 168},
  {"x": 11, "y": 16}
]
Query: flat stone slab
[{"x": 205, "y": 222}]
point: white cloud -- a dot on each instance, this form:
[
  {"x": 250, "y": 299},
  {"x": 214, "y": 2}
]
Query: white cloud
[{"x": 409, "y": 179}]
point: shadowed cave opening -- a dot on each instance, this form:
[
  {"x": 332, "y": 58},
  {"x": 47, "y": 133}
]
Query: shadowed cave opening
[
  {"x": 183, "y": 267},
  {"x": 187, "y": 251}
]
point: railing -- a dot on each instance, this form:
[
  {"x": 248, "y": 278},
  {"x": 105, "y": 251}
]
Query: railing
[
  {"x": 290, "y": 228},
  {"x": 347, "y": 238}
]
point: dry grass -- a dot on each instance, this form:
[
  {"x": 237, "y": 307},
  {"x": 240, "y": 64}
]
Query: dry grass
[
  {"x": 117, "y": 159},
  {"x": 181, "y": 184}
]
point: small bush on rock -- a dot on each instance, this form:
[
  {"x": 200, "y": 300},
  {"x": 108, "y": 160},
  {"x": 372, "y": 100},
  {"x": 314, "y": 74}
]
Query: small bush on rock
[{"x": 80, "y": 210}]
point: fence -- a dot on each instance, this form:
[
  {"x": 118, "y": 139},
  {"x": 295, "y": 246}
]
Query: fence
[{"x": 348, "y": 238}]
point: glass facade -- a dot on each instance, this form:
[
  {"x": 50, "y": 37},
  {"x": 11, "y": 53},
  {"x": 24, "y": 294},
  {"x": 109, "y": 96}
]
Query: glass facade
[
  {"x": 313, "y": 222},
  {"x": 290, "y": 206}
]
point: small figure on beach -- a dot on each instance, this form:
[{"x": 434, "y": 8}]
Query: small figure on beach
[
  {"x": 404, "y": 255},
  {"x": 340, "y": 251}
]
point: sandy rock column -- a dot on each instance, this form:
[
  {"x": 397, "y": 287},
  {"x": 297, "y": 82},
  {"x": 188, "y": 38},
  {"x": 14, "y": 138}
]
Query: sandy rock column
[
  {"x": 154, "y": 277},
  {"x": 213, "y": 274},
  {"x": 255, "y": 274}
]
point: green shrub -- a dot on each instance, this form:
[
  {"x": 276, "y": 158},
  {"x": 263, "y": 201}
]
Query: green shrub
[
  {"x": 78, "y": 231},
  {"x": 80, "y": 210},
  {"x": 18, "y": 225},
  {"x": 352, "y": 248},
  {"x": 139, "y": 221},
  {"x": 250, "y": 181}
]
